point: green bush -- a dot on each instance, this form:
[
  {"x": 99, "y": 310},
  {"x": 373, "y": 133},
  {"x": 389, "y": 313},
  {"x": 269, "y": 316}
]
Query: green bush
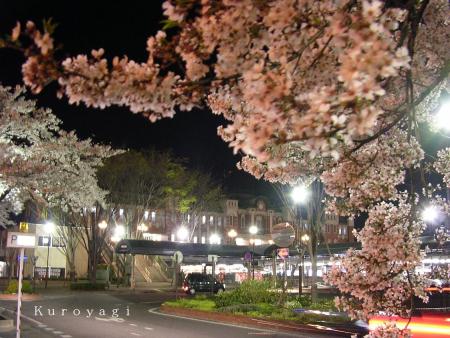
[
  {"x": 249, "y": 292},
  {"x": 12, "y": 287},
  {"x": 87, "y": 286}
]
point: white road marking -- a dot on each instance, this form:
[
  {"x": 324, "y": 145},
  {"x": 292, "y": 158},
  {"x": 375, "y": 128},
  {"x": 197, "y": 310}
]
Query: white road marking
[
  {"x": 49, "y": 329},
  {"x": 66, "y": 336},
  {"x": 260, "y": 333},
  {"x": 58, "y": 332},
  {"x": 148, "y": 328},
  {"x": 132, "y": 324},
  {"x": 135, "y": 334},
  {"x": 118, "y": 320}
]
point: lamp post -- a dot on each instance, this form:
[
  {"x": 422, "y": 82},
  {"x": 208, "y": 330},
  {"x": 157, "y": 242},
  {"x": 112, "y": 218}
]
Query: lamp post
[
  {"x": 182, "y": 233},
  {"x": 48, "y": 229},
  {"x": 299, "y": 195},
  {"x": 304, "y": 239},
  {"x": 253, "y": 231}
]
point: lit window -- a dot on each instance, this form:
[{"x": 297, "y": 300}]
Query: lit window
[
  {"x": 44, "y": 241},
  {"x": 211, "y": 219},
  {"x": 153, "y": 216},
  {"x": 203, "y": 240},
  {"x": 203, "y": 219},
  {"x": 172, "y": 237},
  {"x": 195, "y": 239},
  {"x": 189, "y": 218},
  {"x": 58, "y": 242}
]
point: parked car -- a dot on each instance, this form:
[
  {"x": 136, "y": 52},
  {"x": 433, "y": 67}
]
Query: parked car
[{"x": 198, "y": 282}]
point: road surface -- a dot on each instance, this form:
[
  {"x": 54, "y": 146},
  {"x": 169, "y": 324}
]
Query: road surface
[{"x": 120, "y": 315}]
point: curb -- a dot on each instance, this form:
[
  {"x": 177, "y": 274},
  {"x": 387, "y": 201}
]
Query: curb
[
  {"x": 25, "y": 297},
  {"x": 274, "y": 325}
]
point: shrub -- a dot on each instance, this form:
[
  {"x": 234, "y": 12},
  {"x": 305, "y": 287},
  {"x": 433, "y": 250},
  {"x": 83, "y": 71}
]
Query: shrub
[
  {"x": 87, "y": 286},
  {"x": 13, "y": 286},
  {"x": 249, "y": 292}
]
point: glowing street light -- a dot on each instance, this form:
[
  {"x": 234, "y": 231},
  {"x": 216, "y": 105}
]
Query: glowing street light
[
  {"x": 430, "y": 214},
  {"x": 253, "y": 230},
  {"x": 442, "y": 117},
  {"x": 103, "y": 225},
  {"x": 232, "y": 233},
  {"x": 182, "y": 233},
  {"x": 305, "y": 238},
  {"x": 300, "y": 194},
  {"x": 49, "y": 227},
  {"x": 142, "y": 227},
  {"x": 214, "y": 239},
  {"x": 119, "y": 231}
]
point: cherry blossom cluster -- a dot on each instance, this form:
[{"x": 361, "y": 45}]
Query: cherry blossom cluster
[
  {"x": 389, "y": 330},
  {"x": 329, "y": 89},
  {"x": 381, "y": 276},
  {"x": 42, "y": 162},
  {"x": 442, "y": 165},
  {"x": 372, "y": 173}
]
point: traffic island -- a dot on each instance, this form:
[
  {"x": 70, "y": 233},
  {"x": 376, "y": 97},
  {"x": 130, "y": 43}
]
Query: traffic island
[{"x": 261, "y": 323}]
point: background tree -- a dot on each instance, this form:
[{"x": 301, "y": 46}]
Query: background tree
[{"x": 46, "y": 165}]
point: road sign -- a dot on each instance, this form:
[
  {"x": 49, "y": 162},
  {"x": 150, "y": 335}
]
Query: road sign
[
  {"x": 23, "y": 227},
  {"x": 248, "y": 256},
  {"x": 21, "y": 240},
  {"x": 178, "y": 257},
  {"x": 283, "y": 234},
  {"x": 283, "y": 253}
]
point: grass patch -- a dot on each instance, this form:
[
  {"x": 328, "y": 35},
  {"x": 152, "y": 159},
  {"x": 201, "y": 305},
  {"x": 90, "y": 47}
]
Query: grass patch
[{"x": 197, "y": 303}]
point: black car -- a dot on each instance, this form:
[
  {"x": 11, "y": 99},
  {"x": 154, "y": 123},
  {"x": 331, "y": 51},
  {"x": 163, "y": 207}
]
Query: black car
[{"x": 198, "y": 282}]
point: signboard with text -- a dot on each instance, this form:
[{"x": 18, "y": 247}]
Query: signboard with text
[{"x": 21, "y": 240}]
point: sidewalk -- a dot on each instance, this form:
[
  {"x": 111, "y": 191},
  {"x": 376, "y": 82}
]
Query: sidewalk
[{"x": 27, "y": 329}]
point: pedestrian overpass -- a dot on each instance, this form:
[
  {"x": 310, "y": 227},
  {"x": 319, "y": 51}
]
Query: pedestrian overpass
[{"x": 166, "y": 248}]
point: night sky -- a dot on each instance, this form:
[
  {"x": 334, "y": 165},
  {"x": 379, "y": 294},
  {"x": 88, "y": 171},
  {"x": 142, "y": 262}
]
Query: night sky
[{"x": 122, "y": 28}]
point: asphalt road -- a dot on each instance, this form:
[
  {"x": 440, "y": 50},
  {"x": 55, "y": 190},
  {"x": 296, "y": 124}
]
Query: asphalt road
[{"x": 120, "y": 315}]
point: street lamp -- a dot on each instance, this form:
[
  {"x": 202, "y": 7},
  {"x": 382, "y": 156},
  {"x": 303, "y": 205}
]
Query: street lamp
[
  {"x": 253, "y": 230},
  {"x": 182, "y": 233},
  {"x": 232, "y": 234},
  {"x": 214, "y": 239},
  {"x": 430, "y": 214},
  {"x": 300, "y": 194},
  {"x": 49, "y": 227},
  {"x": 103, "y": 225},
  {"x": 142, "y": 227},
  {"x": 442, "y": 117},
  {"x": 303, "y": 240},
  {"x": 119, "y": 232}
]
